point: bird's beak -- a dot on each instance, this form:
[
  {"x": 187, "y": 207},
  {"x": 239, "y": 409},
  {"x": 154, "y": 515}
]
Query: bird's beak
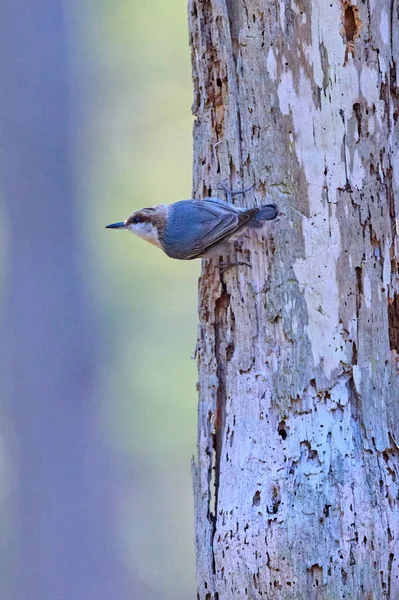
[{"x": 120, "y": 225}]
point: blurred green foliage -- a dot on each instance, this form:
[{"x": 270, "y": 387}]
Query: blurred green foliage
[{"x": 138, "y": 153}]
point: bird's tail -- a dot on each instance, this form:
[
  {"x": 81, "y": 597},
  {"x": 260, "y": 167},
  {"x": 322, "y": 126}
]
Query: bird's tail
[{"x": 268, "y": 212}]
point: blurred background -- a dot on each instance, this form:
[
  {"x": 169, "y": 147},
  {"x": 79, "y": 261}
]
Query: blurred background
[{"x": 98, "y": 411}]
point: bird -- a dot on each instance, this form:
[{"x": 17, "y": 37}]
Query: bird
[{"x": 190, "y": 229}]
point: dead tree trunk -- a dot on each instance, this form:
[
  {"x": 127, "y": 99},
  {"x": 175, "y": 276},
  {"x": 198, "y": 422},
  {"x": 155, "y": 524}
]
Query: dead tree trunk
[{"x": 296, "y": 481}]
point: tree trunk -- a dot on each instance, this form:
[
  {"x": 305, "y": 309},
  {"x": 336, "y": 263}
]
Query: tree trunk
[{"x": 296, "y": 482}]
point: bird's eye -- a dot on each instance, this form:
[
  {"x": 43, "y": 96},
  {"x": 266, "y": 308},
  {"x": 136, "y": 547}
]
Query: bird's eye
[{"x": 136, "y": 220}]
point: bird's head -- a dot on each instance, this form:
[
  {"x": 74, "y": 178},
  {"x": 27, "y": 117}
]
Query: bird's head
[{"x": 147, "y": 223}]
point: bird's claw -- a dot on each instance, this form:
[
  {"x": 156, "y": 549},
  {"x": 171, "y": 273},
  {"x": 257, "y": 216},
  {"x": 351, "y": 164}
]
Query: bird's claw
[
  {"x": 224, "y": 186},
  {"x": 225, "y": 266}
]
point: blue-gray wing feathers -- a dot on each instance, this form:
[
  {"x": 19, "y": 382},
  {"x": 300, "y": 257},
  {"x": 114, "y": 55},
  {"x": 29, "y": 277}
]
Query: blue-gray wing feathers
[{"x": 195, "y": 226}]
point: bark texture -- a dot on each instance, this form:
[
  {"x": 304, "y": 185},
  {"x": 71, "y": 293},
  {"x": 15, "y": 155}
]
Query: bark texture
[{"x": 296, "y": 480}]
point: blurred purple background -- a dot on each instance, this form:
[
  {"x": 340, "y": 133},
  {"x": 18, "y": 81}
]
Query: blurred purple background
[{"x": 97, "y": 423}]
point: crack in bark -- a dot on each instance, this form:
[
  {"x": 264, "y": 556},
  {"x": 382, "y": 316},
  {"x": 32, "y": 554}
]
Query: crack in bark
[
  {"x": 393, "y": 322},
  {"x": 234, "y": 18},
  {"x": 221, "y": 352}
]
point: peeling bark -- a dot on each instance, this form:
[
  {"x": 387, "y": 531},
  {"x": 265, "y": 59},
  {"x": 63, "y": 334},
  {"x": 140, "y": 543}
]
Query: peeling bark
[{"x": 296, "y": 480}]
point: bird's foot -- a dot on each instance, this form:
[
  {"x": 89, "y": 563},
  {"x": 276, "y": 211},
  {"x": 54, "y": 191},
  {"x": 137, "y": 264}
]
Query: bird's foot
[
  {"x": 225, "y": 266},
  {"x": 224, "y": 186}
]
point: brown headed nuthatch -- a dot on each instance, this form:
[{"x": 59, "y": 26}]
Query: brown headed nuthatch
[{"x": 196, "y": 228}]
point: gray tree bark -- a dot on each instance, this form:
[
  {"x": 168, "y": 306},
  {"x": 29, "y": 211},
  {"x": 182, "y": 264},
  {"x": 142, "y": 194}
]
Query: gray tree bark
[{"x": 296, "y": 480}]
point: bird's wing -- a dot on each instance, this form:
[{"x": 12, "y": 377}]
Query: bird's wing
[{"x": 195, "y": 226}]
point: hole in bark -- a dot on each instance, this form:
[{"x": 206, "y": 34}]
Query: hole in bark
[
  {"x": 232, "y": 321},
  {"x": 316, "y": 573},
  {"x": 358, "y": 114},
  {"x": 350, "y": 13},
  {"x": 359, "y": 291},
  {"x": 229, "y": 352},
  {"x": 351, "y": 27},
  {"x": 282, "y": 431},
  {"x": 383, "y": 584},
  {"x": 276, "y": 500},
  {"x": 256, "y": 499},
  {"x": 308, "y": 451},
  {"x": 393, "y": 322}
]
